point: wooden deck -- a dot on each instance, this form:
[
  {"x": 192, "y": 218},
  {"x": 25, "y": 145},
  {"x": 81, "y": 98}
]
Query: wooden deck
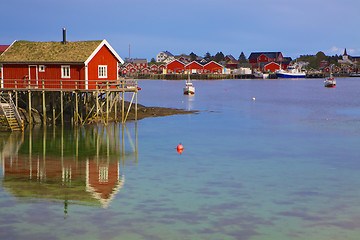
[
  {"x": 26, "y": 85},
  {"x": 103, "y": 96}
]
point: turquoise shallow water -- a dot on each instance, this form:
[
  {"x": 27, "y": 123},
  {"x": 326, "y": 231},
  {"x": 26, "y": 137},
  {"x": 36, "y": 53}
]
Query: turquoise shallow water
[{"x": 285, "y": 166}]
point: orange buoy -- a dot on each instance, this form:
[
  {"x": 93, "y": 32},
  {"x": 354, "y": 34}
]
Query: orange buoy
[{"x": 180, "y": 151}]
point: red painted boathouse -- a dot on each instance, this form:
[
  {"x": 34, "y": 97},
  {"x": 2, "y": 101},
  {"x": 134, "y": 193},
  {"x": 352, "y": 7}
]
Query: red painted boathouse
[{"x": 59, "y": 65}]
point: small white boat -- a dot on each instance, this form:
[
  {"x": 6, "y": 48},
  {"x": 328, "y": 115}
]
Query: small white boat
[
  {"x": 330, "y": 82},
  {"x": 265, "y": 75},
  {"x": 189, "y": 89}
]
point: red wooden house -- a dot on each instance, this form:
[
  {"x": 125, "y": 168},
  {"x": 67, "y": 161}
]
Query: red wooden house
[
  {"x": 257, "y": 57},
  {"x": 154, "y": 68},
  {"x": 56, "y": 65},
  {"x": 161, "y": 68},
  {"x": 132, "y": 70},
  {"x": 140, "y": 64},
  {"x": 128, "y": 66},
  {"x": 272, "y": 67},
  {"x": 232, "y": 64},
  {"x": 124, "y": 71},
  {"x": 175, "y": 66},
  {"x": 213, "y": 67},
  {"x": 195, "y": 67},
  {"x": 145, "y": 71}
]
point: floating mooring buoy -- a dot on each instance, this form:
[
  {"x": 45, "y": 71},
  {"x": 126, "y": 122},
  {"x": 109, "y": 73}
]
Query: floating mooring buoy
[
  {"x": 180, "y": 148},
  {"x": 253, "y": 99}
]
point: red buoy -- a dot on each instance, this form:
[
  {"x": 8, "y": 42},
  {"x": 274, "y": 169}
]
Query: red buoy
[{"x": 180, "y": 148}]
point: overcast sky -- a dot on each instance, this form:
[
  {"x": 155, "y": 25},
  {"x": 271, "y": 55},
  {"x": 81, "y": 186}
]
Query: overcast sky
[{"x": 150, "y": 26}]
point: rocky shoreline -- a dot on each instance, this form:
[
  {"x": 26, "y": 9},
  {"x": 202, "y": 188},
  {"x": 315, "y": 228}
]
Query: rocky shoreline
[{"x": 142, "y": 112}]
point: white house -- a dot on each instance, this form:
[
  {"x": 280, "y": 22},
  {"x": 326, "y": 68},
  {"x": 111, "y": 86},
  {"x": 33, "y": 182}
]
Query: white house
[{"x": 161, "y": 56}]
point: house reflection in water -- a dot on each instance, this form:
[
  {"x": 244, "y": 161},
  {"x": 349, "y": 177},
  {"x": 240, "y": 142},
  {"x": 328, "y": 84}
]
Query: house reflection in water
[{"x": 78, "y": 167}]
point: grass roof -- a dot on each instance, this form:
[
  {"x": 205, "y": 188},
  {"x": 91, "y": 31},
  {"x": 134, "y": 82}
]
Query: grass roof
[{"x": 25, "y": 51}]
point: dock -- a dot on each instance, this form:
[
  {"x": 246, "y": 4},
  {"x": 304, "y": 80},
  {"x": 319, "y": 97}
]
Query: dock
[{"x": 87, "y": 102}]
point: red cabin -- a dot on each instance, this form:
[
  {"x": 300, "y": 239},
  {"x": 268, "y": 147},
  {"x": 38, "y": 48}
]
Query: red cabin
[
  {"x": 145, "y": 71},
  {"x": 161, "y": 68},
  {"x": 194, "y": 67},
  {"x": 272, "y": 67},
  {"x": 154, "y": 68},
  {"x": 213, "y": 67},
  {"x": 175, "y": 66},
  {"x": 59, "y": 65}
]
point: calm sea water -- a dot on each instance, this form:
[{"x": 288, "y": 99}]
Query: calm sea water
[{"x": 285, "y": 166}]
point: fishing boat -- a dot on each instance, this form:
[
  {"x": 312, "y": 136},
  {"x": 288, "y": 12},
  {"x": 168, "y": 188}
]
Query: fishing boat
[
  {"x": 189, "y": 89},
  {"x": 330, "y": 82},
  {"x": 290, "y": 72}
]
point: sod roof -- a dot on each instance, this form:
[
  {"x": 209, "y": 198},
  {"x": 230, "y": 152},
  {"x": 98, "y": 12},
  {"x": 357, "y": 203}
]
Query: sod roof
[{"x": 26, "y": 51}]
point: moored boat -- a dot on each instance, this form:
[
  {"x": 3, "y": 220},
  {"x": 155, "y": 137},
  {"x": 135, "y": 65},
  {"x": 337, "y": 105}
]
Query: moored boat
[
  {"x": 290, "y": 72},
  {"x": 330, "y": 82},
  {"x": 189, "y": 89}
]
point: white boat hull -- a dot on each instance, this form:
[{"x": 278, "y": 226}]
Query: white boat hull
[
  {"x": 290, "y": 75},
  {"x": 330, "y": 83},
  {"x": 189, "y": 90}
]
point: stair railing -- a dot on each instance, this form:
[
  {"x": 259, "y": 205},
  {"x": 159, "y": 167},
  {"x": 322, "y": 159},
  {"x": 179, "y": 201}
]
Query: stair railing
[{"x": 8, "y": 99}]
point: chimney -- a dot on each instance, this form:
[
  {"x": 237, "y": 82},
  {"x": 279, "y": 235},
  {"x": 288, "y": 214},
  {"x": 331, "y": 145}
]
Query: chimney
[{"x": 64, "y": 36}]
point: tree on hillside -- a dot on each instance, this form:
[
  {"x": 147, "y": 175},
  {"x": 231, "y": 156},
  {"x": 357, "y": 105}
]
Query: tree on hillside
[
  {"x": 320, "y": 56},
  {"x": 207, "y": 56},
  {"x": 314, "y": 60},
  {"x": 219, "y": 57},
  {"x": 242, "y": 58},
  {"x": 153, "y": 60},
  {"x": 192, "y": 56}
]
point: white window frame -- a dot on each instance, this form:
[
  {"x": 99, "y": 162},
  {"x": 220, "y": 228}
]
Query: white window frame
[
  {"x": 41, "y": 68},
  {"x": 65, "y": 71},
  {"x": 102, "y": 71}
]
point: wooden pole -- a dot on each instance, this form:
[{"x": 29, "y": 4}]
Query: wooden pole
[
  {"x": 61, "y": 104},
  {"x": 115, "y": 105},
  {"x": 16, "y": 99},
  {"x": 62, "y": 107},
  {"x": 76, "y": 108},
  {"x": 44, "y": 107},
  {"x": 16, "y": 95},
  {"x": 136, "y": 90},
  {"x": 53, "y": 106},
  {"x": 107, "y": 103},
  {"x": 123, "y": 102},
  {"x": 30, "y": 120},
  {"x": 97, "y": 103}
]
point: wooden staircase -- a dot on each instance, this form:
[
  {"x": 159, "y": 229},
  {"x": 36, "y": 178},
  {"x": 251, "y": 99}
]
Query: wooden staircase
[{"x": 11, "y": 113}]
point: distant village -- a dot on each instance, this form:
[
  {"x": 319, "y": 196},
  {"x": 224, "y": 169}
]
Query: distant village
[{"x": 168, "y": 63}]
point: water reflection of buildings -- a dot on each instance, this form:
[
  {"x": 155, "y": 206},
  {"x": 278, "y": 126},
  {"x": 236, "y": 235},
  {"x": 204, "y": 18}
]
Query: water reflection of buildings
[{"x": 81, "y": 166}]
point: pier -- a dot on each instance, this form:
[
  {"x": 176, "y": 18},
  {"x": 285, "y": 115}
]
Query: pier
[{"x": 83, "y": 102}]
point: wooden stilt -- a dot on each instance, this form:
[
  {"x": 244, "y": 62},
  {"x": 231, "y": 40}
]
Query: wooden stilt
[
  {"x": 107, "y": 104},
  {"x": 16, "y": 99},
  {"x": 61, "y": 104},
  {"x": 123, "y": 106},
  {"x": 62, "y": 108},
  {"x": 30, "y": 120},
  {"x": 44, "y": 108},
  {"x": 115, "y": 107},
  {"x": 76, "y": 117},
  {"x": 53, "y": 106},
  {"x": 136, "y": 105}
]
